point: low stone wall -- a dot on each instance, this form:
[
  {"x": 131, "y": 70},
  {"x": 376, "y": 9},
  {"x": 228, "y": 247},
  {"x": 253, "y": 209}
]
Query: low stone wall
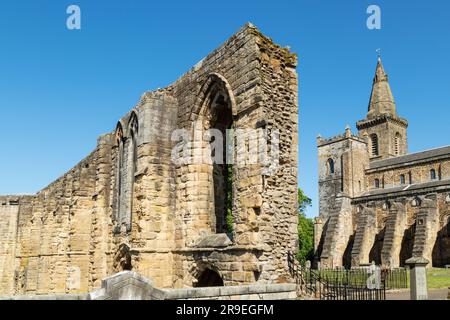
[
  {"x": 248, "y": 292},
  {"x": 128, "y": 285}
]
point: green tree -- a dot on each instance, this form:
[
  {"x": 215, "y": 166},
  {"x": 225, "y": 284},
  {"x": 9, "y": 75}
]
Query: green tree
[{"x": 305, "y": 229}]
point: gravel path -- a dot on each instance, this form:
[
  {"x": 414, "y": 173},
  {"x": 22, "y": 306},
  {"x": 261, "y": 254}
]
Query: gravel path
[{"x": 434, "y": 294}]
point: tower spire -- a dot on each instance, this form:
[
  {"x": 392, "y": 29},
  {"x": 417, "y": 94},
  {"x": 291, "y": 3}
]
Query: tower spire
[{"x": 381, "y": 99}]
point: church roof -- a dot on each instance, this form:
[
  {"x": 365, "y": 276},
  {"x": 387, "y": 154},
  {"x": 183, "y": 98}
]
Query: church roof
[
  {"x": 411, "y": 158},
  {"x": 405, "y": 190},
  {"x": 381, "y": 99}
]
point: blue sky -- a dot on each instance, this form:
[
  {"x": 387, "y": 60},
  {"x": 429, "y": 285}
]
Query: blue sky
[{"x": 60, "y": 89}]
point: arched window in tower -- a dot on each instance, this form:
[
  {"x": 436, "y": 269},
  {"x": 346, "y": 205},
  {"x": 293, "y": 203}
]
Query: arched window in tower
[
  {"x": 330, "y": 166},
  {"x": 377, "y": 183},
  {"x": 402, "y": 179},
  {"x": 433, "y": 174},
  {"x": 374, "y": 145},
  {"x": 397, "y": 142}
]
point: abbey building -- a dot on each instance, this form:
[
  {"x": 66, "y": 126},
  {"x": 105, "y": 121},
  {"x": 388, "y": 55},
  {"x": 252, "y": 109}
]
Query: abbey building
[{"x": 377, "y": 201}]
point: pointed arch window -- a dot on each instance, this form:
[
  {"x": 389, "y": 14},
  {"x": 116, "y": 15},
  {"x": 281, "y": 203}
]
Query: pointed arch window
[
  {"x": 374, "y": 145},
  {"x": 330, "y": 166},
  {"x": 402, "y": 179},
  {"x": 126, "y": 167}
]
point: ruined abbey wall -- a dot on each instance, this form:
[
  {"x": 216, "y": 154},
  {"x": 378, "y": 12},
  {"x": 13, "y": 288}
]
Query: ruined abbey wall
[{"x": 129, "y": 205}]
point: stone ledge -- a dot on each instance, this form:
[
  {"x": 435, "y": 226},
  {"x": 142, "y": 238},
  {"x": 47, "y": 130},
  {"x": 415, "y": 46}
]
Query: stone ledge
[{"x": 217, "y": 292}]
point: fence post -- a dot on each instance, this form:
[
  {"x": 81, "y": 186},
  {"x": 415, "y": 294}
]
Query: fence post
[{"x": 418, "y": 278}]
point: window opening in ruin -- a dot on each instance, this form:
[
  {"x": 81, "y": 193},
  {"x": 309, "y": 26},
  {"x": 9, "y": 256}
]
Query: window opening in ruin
[
  {"x": 209, "y": 278},
  {"x": 221, "y": 119}
]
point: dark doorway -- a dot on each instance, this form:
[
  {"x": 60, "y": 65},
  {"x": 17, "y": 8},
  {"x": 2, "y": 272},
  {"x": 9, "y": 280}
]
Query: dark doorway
[
  {"x": 209, "y": 278},
  {"x": 375, "y": 252},
  {"x": 347, "y": 258},
  {"x": 407, "y": 244}
]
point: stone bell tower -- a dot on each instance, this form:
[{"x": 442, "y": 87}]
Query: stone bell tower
[{"x": 384, "y": 131}]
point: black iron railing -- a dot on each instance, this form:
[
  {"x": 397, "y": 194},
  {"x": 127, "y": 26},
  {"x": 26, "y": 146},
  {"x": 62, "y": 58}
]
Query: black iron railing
[{"x": 336, "y": 284}]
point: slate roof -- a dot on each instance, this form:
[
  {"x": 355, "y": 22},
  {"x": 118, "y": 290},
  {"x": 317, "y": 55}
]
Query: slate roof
[{"x": 411, "y": 158}]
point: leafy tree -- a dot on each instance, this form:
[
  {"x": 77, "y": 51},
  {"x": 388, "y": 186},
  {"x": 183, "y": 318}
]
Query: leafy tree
[{"x": 305, "y": 229}]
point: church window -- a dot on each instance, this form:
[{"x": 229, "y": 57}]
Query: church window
[
  {"x": 330, "y": 164},
  {"x": 374, "y": 145},
  {"x": 397, "y": 141},
  {"x": 402, "y": 179},
  {"x": 433, "y": 174},
  {"x": 377, "y": 183}
]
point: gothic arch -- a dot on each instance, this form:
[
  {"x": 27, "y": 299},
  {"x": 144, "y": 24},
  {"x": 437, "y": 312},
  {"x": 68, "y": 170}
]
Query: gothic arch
[
  {"x": 118, "y": 133},
  {"x": 122, "y": 258},
  {"x": 213, "y": 82},
  {"x": 206, "y": 274},
  {"x": 126, "y": 167},
  {"x": 215, "y": 109}
]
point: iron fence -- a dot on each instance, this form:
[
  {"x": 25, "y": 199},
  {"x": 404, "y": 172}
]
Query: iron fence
[{"x": 336, "y": 284}]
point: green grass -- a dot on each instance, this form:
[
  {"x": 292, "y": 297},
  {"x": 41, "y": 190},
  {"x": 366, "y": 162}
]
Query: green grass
[{"x": 438, "y": 278}]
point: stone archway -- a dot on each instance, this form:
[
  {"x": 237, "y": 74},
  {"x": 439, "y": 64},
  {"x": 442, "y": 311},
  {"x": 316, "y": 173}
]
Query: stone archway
[
  {"x": 209, "y": 278},
  {"x": 407, "y": 244},
  {"x": 122, "y": 259},
  {"x": 216, "y": 119}
]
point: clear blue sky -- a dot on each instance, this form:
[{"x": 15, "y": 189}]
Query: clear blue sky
[{"x": 60, "y": 89}]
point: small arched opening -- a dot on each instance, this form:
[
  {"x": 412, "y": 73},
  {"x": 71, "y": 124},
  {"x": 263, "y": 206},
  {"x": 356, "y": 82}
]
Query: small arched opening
[
  {"x": 209, "y": 278},
  {"x": 330, "y": 166},
  {"x": 433, "y": 174}
]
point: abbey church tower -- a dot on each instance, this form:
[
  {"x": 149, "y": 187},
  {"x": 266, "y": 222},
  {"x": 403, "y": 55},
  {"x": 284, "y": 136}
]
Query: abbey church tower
[
  {"x": 379, "y": 203},
  {"x": 383, "y": 129}
]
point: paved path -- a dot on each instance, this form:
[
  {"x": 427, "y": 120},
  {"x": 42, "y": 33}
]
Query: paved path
[{"x": 434, "y": 294}]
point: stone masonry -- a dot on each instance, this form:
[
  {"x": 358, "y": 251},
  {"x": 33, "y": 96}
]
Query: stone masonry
[
  {"x": 377, "y": 202},
  {"x": 129, "y": 206}
]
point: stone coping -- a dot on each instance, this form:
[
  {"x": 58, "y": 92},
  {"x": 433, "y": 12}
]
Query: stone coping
[
  {"x": 214, "y": 292},
  {"x": 175, "y": 294},
  {"x": 82, "y": 296}
]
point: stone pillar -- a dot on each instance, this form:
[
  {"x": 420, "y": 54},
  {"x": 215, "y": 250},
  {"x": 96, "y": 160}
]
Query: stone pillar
[
  {"x": 318, "y": 229},
  {"x": 339, "y": 230},
  {"x": 395, "y": 228},
  {"x": 418, "y": 278},
  {"x": 427, "y": 227},
  {"x": 366, "y": 230}
]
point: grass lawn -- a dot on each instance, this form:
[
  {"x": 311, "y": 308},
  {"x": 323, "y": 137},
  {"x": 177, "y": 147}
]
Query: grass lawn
[{"x": 438, "y": 278}]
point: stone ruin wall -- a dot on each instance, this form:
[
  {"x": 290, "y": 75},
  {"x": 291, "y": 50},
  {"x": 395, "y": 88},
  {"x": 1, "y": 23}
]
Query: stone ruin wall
[{"x": 68, "y": 236}]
